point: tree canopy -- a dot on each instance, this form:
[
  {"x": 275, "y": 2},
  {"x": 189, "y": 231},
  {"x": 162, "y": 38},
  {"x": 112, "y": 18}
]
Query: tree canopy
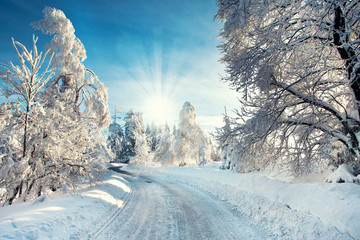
[{"x": 296, "y": 66}]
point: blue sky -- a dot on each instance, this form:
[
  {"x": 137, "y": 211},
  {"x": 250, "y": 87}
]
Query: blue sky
[{"x": 145, "y": 52}]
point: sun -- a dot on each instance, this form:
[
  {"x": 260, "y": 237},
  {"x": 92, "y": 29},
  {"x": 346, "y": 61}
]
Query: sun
[{"x": 159, "y": 109}]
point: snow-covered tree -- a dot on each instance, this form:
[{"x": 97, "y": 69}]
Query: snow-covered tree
[
  {"x": 164, "y": 153},
  {"x": 21, "y": 86},
  {"x": 24, "y": 82},
  {"x": 296, "y": 65},
  {"x": 148, "y": 137},
  {"x": 115, "y": 140},
  {"x": 54, "y": 124},
  {"x": 135, "y": 141},
  {"x": 69, "y": 53},
  {"x": 116, "y": 136},
  {"x": 225, "y": 140},
  {"x": 192, "y": 146},
  {"x": 155, "y": 135}
]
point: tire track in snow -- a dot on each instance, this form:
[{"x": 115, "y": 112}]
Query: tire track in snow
[{"x": 111, "y": 219}]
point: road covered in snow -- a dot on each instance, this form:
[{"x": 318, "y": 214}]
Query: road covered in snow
[
  {"x": 188, "y": 203},
  {"x": 162, "y": 209}
]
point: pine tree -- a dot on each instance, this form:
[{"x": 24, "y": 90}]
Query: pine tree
[
  {"x": 115, "y": 140},
  {"x": 135, "y": 141},
  {"x": 192, "y": 146},
  {"x": 164, "y": 153}
]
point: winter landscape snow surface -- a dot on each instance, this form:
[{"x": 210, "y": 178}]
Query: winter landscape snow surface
[{"x": 183, "y": 203}]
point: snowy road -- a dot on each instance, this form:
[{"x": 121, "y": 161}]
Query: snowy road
[
  {"x": 159, "y": 209},
  {"x": 188, "y": 203}
]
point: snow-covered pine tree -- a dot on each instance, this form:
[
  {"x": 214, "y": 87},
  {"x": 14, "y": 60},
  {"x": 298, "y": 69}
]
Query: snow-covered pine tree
[
  {"x": 155, "y": 136},
  {"x": 115, "y": 140},
  {"x": 135, "y": 141},
  {"x": 116, "y": 136},
  {"x": 90, "y": 94},
  {"x": 192, "y": 146},
  {"x": 148, "y": 137},
  {"x": 129, "y": 136},
  {"x": 225, "y": 140},
  {"x": 164, "y": 153}
]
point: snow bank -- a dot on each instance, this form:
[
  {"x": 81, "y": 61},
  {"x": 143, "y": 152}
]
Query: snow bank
[
  {"x": 65, "y": 217},
  {"x": 290, "y": 210},
  {"x": 344, "y": 173}
]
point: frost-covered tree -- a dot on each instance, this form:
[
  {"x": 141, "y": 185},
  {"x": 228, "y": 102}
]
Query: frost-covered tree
[
  {"x": 155, "y": 135},
  {"x": 192, "y": 146},
  {"x": 296, "y": 65},
  {"x": 88, "y": 92},
  {"x": 148, "y": 137},
  {"x": 225, "y": 141},
  {"x": 164, "y": 153},
  {"x": 115, "y": 140},
  {"x": 53, "y": 124},
  {"x": 129, "y": 135},
  {"x": 21, "y": 86},
  {"x": 135, "y": 141},
  {"x": 24, "y": 82}
]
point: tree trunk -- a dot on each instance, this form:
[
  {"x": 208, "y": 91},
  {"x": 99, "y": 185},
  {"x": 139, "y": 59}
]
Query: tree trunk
[
  {"x": 25, "y": 130},
  {"x": 17, "y": 190},
  {"x": 341, "y": 40}
]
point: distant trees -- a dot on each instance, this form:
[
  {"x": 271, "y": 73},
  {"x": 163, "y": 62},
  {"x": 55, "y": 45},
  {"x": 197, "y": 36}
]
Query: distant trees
[
  {"x": 54, "y": 116},
  {"x": 130, "y": 141},
  {"x": 189, "y": 146},
  {"x": 186, "y": 146},
  {"x": 296, "y": 65},
  {"x": 192, "y": 146}
]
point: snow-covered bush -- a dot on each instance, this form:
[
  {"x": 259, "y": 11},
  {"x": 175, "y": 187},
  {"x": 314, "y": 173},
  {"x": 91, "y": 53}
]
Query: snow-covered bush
[{"x": 343, "y": 174}]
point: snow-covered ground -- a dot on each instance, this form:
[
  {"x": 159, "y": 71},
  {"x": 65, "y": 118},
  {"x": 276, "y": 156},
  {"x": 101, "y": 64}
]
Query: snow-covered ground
[
  {"x": 70, "y": 216},
  {"x": 290, "y": 210},
  {"x": 281, "y": 210}
]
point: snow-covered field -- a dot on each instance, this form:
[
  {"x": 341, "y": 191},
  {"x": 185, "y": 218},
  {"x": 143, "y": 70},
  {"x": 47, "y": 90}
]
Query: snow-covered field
[{"x": 285, "y": 210}]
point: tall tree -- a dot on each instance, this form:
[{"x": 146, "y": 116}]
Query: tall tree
[
  {"x": 192, "y": 146},
  {"x": 116, "y": 140},
  {"x": 164, "y": 153},
  {"x": 135, "y": 142},
  {"x": 225, "y": 141}
]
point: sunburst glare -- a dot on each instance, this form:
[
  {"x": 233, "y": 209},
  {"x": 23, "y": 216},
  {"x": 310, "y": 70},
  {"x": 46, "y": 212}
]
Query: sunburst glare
[{"x": 159, "y": 109}]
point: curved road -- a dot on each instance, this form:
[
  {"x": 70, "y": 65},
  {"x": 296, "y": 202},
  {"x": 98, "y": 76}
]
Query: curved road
[{"x": 159, "y": 209}]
